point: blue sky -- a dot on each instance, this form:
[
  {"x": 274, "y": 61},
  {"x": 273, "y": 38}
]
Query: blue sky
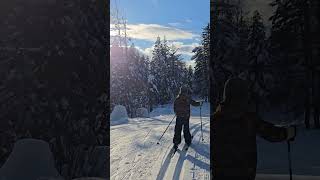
[{"x": 181, "y": 21}]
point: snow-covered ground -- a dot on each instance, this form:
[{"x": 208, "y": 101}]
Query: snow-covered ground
[
  {"x": 135, "y": 153},
  {"x": 305, "y": 156}
]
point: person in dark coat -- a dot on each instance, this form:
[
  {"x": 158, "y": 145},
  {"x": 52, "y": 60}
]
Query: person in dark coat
[
  {"x": 234, "y": 127},
  {"x": 182, "y": 110}
]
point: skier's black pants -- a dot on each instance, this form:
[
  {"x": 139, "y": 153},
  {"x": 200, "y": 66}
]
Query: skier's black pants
[{"x": 182, "y": 121}]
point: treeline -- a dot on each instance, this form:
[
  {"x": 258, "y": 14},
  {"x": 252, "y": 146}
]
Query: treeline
[
  {"x": 140, "y": 81},
  {"x": 281, "y": 62},
  {"x": 137, "y": 81},
  {"x": 53, "y": 79}
]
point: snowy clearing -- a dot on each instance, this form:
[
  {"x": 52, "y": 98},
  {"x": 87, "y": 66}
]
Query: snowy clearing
[{"x": 135, "y": 154}]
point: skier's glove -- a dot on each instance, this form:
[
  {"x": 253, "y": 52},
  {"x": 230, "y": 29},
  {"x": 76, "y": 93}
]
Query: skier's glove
[{"x": 291, "y": 133}]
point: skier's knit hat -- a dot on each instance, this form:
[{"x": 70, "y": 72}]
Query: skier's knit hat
[
  {"x": 184, "y": 90},
  {"x": 236, "y": 91}
]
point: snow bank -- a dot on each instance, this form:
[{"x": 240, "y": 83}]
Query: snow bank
[
  {"x": 119, "y": 115},
  {"x": 142, "y": 112},
  {"x": 30, "y": 159}
]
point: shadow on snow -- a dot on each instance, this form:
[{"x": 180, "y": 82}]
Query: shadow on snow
[{"x": 181, "y": 160}]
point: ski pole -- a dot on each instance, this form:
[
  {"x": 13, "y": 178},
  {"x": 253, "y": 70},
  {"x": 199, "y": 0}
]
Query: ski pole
[
  {"x": 289, "y": 159},
  {"x": 201, "y": 123},
  {"x": 166, "y": 129},
  {"x": 289, "y": 151}
]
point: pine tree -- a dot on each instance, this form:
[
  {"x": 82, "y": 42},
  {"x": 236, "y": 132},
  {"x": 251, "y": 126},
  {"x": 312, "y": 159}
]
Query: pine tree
[
  {"x": 129, "y": 79},
  {"x": 57, "y": 83},
  {"x": 201, "y": 57},
  {"x": 167, "y": 72},
  {"x": 190, "y": 77},
  {"x": 258, "y": 57},
  {"x": 158, "y": 68},
  {"x": 225, "y": 42},
  {"x": 291, "y": 38}
]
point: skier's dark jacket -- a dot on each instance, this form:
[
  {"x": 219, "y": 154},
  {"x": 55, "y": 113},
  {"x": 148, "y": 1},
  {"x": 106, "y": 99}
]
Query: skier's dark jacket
[
  {"x": 182, "y": 104},
  {"x": 234, "y": 130}
]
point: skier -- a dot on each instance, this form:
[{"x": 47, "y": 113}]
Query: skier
[
  {"x": 234, "y": 130},
  {"x": 182, "y": 111}
]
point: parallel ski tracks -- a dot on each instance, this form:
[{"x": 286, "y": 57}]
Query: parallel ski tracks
[{"x": 139, "y": 157}]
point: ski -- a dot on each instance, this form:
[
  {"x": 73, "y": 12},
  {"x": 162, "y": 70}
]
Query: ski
[
  {"x": 187, "y": 146},
  {"x": 174, "y": 150}
]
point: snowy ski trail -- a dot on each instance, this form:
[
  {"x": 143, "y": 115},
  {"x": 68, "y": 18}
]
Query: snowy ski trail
[{"x": 135, "y": 154}]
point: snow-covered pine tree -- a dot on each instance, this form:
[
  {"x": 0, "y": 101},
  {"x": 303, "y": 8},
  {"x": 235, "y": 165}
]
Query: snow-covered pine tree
[
  {"x": 180, "y": 76},
  {"x": 137, "y": 80},
  {"x": 190, "y": 78},
  {"x": 201, "y": 58},
  {"x": 117, "y": 75},
  {"x": 143, "y": 73},
  {"x": 205, "y": 65},
  {"x": 174, "y": 74},
  {"x": 157, "y": 66},
  {"x": 225, "y": 43},
  {"x": 257, "y": 57},
  {"x": 57, "y": 85},
  {"x": 129, "y": 78},
  {"x": 292, "y": 42},
  {"x": 167, "y": 72}
]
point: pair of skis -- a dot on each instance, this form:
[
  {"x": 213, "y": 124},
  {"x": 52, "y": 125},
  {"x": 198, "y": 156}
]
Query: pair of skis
[{"x": 174, "y": 149}]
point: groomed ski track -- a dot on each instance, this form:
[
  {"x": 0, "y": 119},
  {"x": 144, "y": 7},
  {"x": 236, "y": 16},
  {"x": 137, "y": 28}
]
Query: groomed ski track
[{"x": 135, "y": 153}]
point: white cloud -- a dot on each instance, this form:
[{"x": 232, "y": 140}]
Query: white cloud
[
  {"x": 150, "y": 32},
  {"x": 185, "y": 49},
  {"x": 175, "y": 24},
  {"x": 198, "y": 39},
  {"x": 140, "y": 50},
  {"x": 146, "y": 51}
]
